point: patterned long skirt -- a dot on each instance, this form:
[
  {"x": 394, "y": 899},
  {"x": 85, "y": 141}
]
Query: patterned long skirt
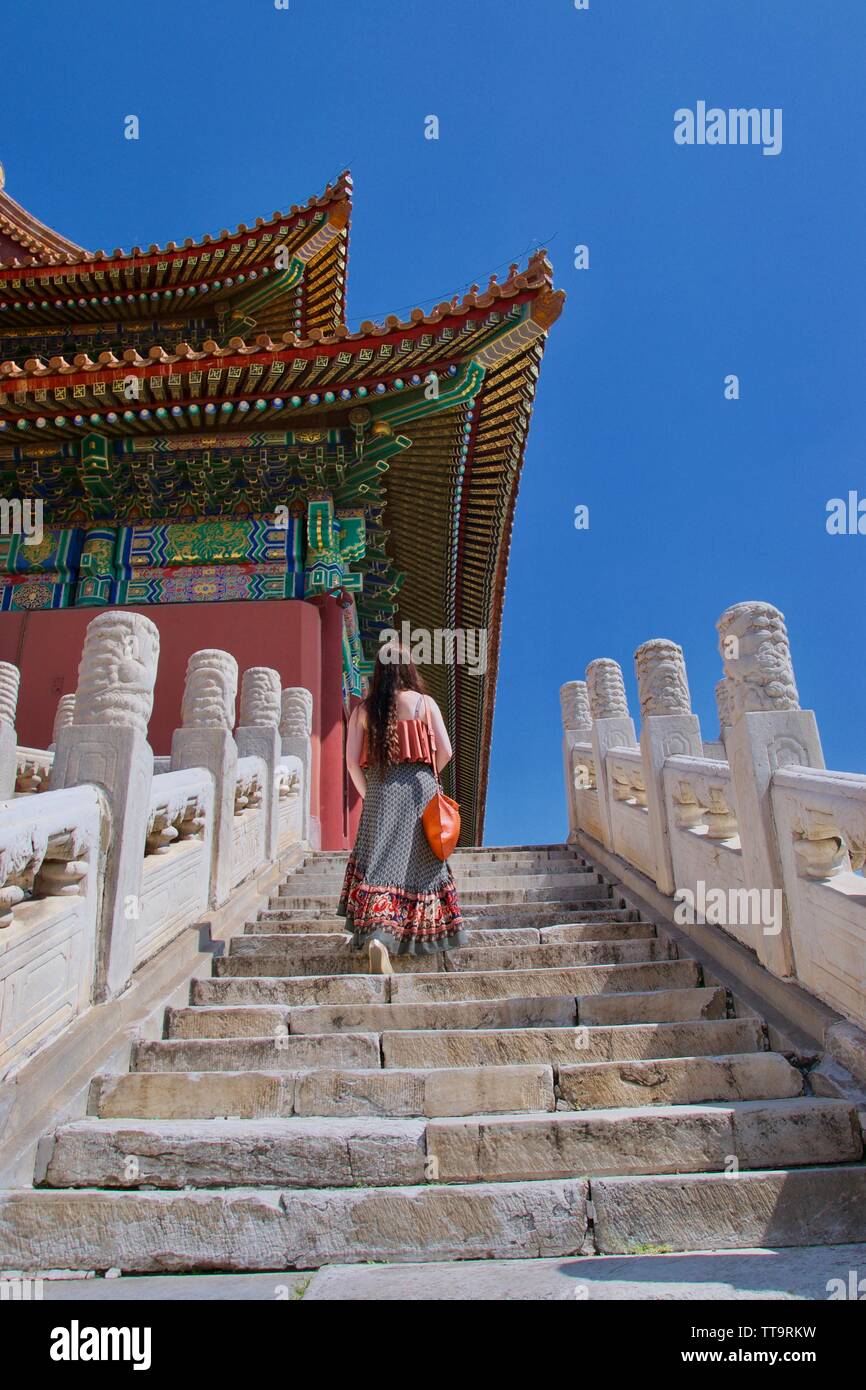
[{"x": 396, "y": 891}]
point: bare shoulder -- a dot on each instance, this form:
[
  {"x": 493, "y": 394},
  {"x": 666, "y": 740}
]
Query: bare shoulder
[{"x": 359, "y": 715}]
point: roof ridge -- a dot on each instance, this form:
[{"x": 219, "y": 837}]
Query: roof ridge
[{"x": 59, "y": 251}]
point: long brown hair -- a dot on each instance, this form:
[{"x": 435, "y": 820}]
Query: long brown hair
[{"x": 394, "y": 671}]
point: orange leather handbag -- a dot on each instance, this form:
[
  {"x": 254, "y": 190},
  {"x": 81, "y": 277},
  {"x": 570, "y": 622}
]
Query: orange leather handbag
[{"x": 441, "y": 816}]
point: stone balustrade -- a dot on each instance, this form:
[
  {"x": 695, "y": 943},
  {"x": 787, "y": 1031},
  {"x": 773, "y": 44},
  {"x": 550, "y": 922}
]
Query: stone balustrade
[
  {"x": 121, "y": 852},
  {"x": 32, "y": 770},
  {"x": 52, "y": 857},
  {"x": 749, "y": 834}
]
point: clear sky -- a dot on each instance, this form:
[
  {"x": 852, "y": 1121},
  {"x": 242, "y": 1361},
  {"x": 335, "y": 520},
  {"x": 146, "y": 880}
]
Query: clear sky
[{"x": 556, "y": 129}]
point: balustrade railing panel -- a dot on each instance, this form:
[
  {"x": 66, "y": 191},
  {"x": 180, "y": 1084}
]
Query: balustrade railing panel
[{"x": 51, "y": 853}]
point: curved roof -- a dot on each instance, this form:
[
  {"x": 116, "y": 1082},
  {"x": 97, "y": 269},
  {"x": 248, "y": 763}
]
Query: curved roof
[{"x": 451, "y": 455}]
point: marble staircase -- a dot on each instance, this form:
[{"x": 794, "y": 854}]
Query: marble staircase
[{"x": 566, "y": 1083}]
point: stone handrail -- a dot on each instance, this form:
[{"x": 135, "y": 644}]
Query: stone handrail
[
  {"x": 179, "y": 803},
  {"x": 32, "y": 769},
  {"x": 52, "y": 852},
  {"x": 121, "y": 852},
  {"x": 757, "y": 840},
  {"x": 176, "y": 873}
]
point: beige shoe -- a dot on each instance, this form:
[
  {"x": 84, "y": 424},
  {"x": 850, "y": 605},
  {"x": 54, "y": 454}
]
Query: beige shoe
[{"x": 380, "y": 961}]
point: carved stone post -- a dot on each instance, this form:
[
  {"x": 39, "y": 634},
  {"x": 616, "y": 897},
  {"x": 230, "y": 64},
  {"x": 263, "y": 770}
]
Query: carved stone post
[
  {"x": 612, "y": 727},
  {"x": 205, "y": 740},
  {"x": 258, "y": 735},
  {"x": 10, "y": 677},
  {"x": 576, "y": 728},
  {"x": 63, "y": 717},
  {"x": 668, "y": 728},
  {"x": 769, "y": 731},
  {"x": 724, "y": 705},
  {"x": 296, "y": 727},
  {"x": 107, "y": 745}
]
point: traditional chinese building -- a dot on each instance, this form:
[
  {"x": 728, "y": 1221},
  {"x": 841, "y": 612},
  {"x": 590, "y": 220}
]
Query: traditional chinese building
[{"x": 214, "y": 446}]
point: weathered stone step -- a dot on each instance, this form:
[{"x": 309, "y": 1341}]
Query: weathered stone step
[
  {"x": 278, "y": 1053},
  {"x": 575, "y": 979},
  {"x": 384, "y": 1151},
  {"x": 753, "y": 1210},
  {"x": 681, "y": 997},
  {"x": 479, "y": 916},
  {"x": 301, "y": 989},
  {"x": 603, "y": 909},
  {"x": 689, "y": 1001},
  {"x": 563, "y": 1046},
  {"x": 245, "y": 1228},
  {"x": 677, "y": 1081},
  {"x": 267, "y": 1020},
  {"x": 562, "y": 894},
  {"x": 529, "y": 873},
  {"x": 554, "y": 1011},
  {"x": 294, "y": 926},
  {"x": 298, "y": 1152},
  {"x": 556, "y": 955},
  {"x": 653, "y": 1005},
  {"x": 506, "y": 955},
  {"x": 330, "y": 962},
  {"x": 608, "y": 927},
  {"x": 559, "y": 848},
  {"x": 664, "y": 1139},
  {"x": 259, "y": 1095}
]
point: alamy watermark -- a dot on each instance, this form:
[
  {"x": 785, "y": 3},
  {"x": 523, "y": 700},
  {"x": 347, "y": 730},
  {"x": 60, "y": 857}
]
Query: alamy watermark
[
  {"x": 22, "y": 517},
  {"x": 437, "y": 646},
  {"x": 738, "y": 125},
  {"x": 730, "y": 907}
]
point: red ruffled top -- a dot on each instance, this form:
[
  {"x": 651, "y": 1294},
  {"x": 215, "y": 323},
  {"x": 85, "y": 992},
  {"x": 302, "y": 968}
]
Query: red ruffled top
[{"x": 414, "y": 739}]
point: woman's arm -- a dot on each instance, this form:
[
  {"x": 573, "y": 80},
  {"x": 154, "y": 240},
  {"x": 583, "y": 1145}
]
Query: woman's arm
[
  {"x": 444, "y": 751},
  {"x": 354, "y": 748}
]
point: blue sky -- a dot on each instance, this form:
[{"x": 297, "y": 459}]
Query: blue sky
[{"x": 556, "y": 128}]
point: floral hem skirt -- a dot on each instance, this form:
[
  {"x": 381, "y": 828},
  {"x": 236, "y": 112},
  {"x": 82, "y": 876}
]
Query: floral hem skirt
[{"x": 395, "y": 890}]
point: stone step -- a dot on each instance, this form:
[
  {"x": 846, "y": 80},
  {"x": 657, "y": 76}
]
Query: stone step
[
  {"x": 689, "y": 1001},
  {"x": 653, "y": 1005},
  {"x": 663, "y": 1139},
  {"x": 269, "y": 1020},
  {"x": 559, "y": 848},
  {"x": 562, "y": 1046},
  {"x": 573, "y": 953},
  {"x": 301, "y": 925},
  {"x": 247, "y": 1228},
  {"x": 807, "y": 1206},
  {"x": 603, "y": 909},
  {"x": 554, "y": 1011},
  {"x": 562, "y": 894},
  {"x": 609, "y": 928},
  {"x": 384, "y": 1151},
  {"x": 512, "y": 955},
  {"x": 302, "y": 989},
  {"x": 677, "y": 1081},
  {"x": 330, "y": 962},
  {"x": 682, "y": 998},
  {"x": 578, "y": 979},
  {"x": 528, "y": 873},
  {"x": 479, "y": 917},
  {"x": 298, "y": 1152},
  {"x": 273, "y": 1053},
  {"x": 259, "y": 1095}
]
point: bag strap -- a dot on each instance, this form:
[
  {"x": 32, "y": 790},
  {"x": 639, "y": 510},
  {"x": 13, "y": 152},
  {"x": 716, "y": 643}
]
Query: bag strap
[{"x": 432, "y": 737}]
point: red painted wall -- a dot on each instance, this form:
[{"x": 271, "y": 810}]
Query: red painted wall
[{"x": 301, "y": 640}]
